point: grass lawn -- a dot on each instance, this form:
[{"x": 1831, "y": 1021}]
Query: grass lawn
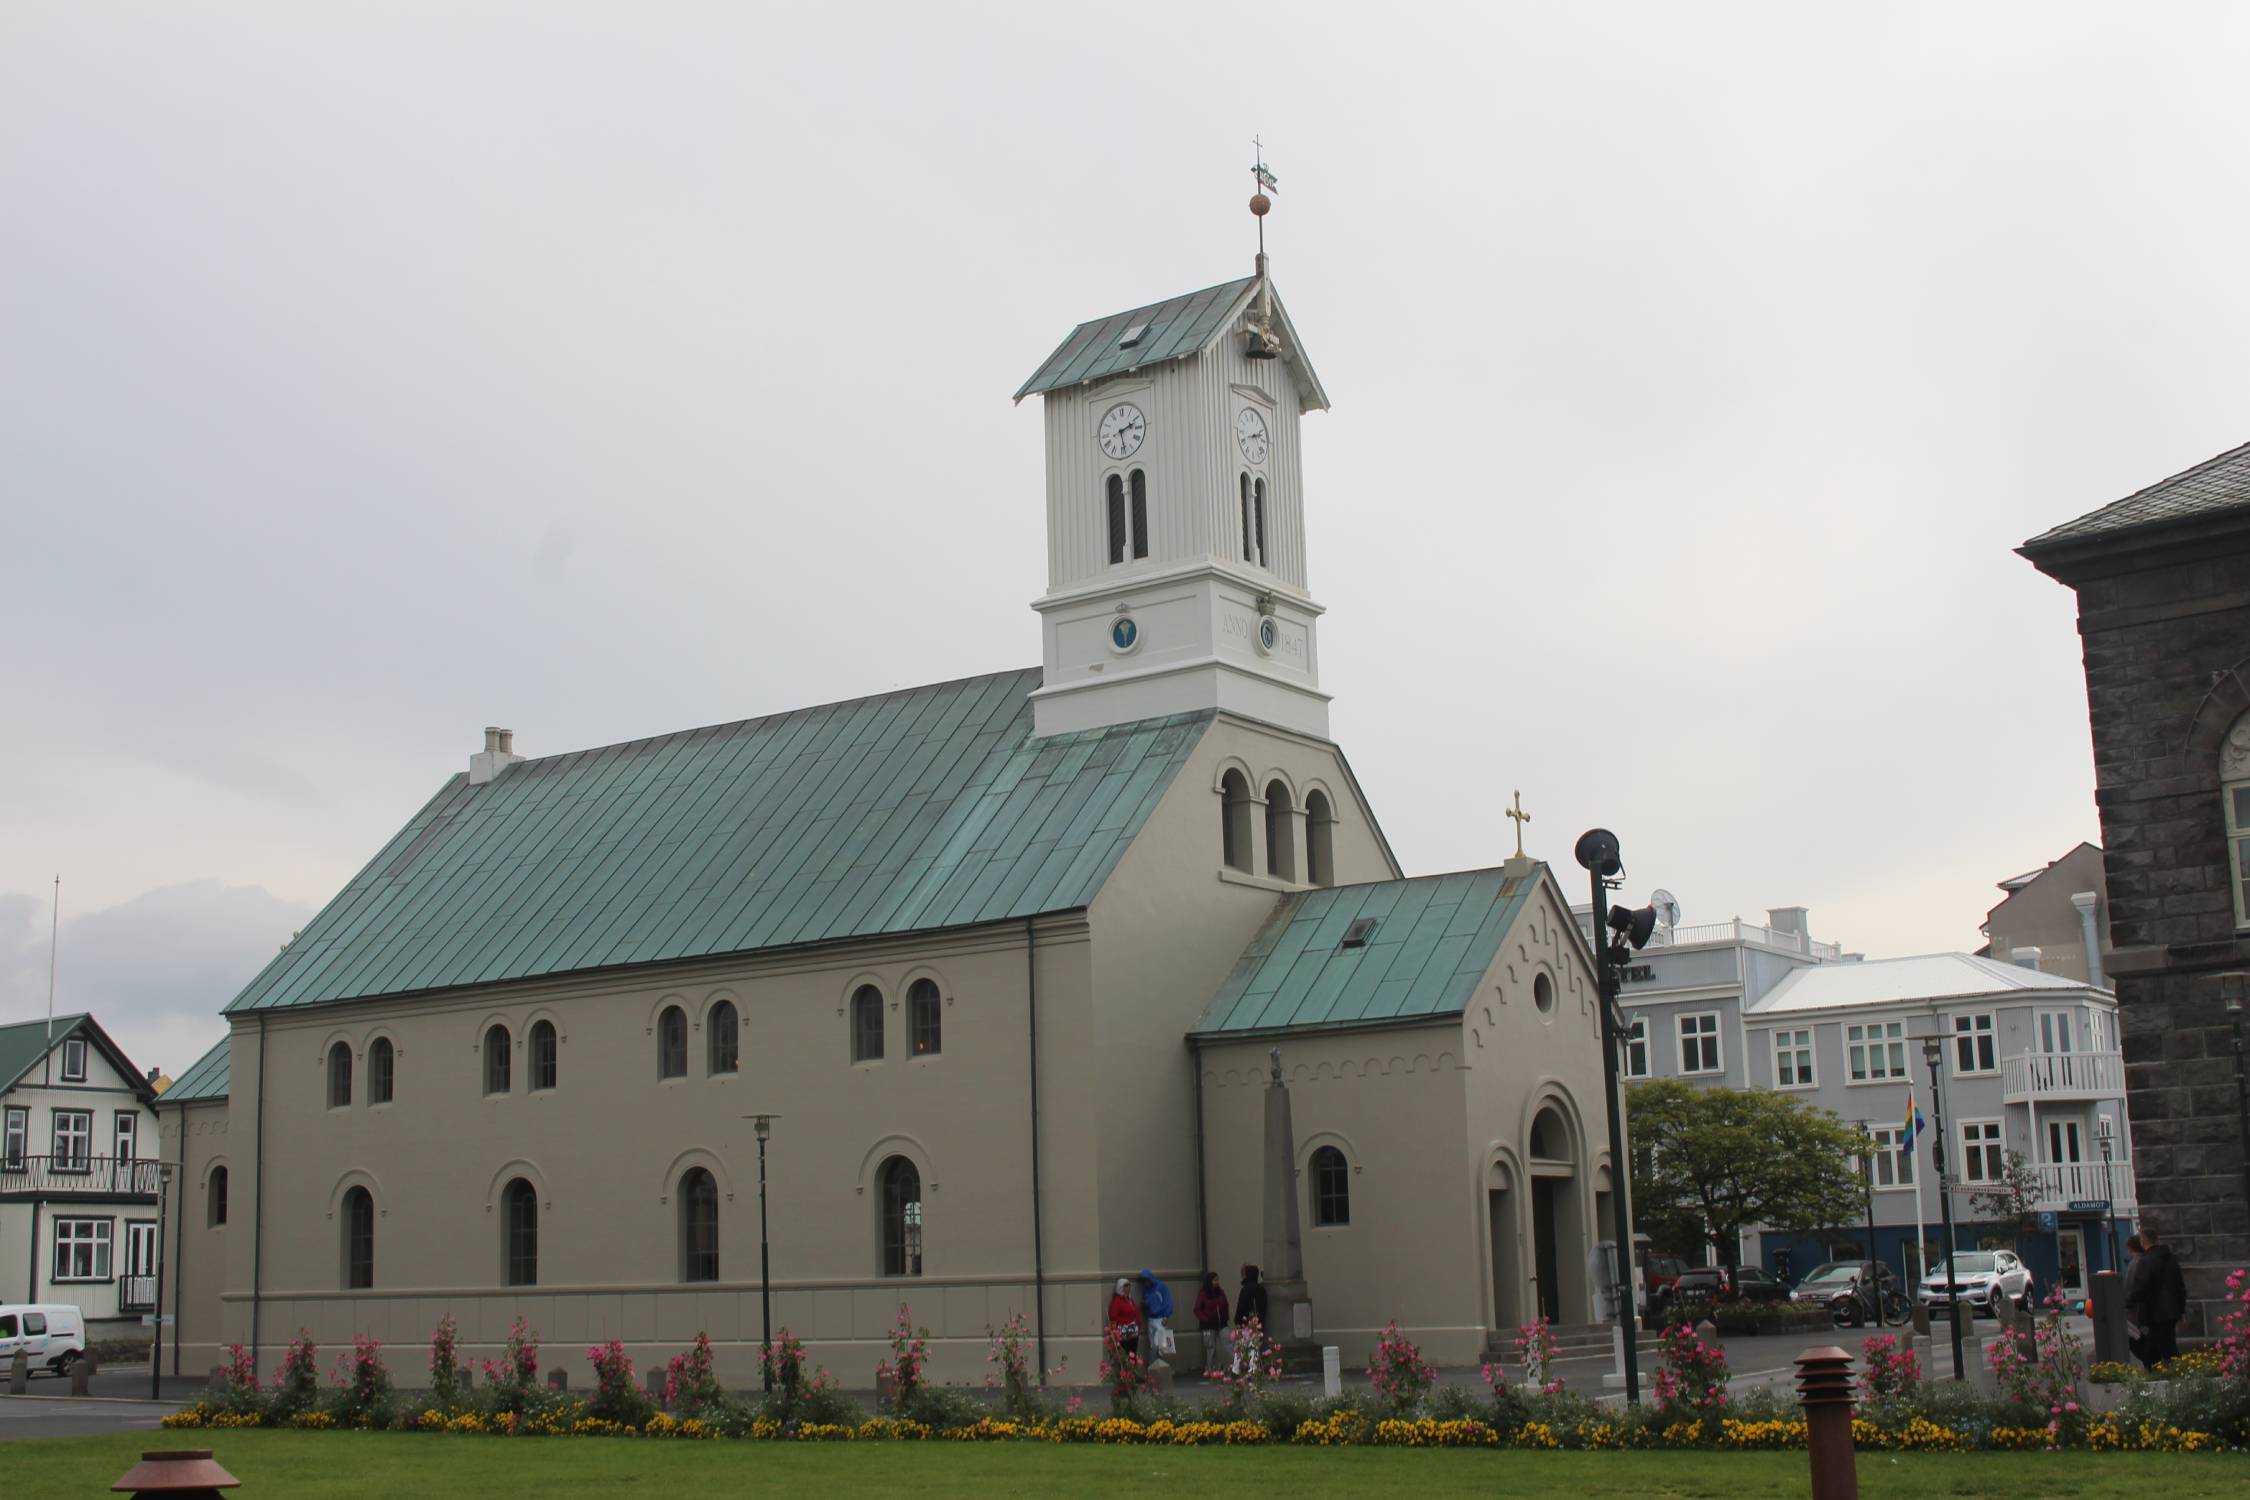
[{"x": 312, "y": 1465}]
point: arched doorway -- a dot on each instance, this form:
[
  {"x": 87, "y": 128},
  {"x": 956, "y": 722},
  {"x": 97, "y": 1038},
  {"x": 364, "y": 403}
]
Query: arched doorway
[
  {"x": 1508, "y": 1301},
  {"x": 1558, "y": 1233}
]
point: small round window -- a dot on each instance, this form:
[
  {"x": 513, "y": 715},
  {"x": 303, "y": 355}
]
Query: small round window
[{"x": 1543, "y": 993}]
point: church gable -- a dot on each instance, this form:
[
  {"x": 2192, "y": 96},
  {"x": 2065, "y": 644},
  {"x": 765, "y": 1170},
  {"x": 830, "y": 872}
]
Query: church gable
[{"x": 928, "y": 808}]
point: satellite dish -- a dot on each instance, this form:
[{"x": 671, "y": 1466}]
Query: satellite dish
[{"x": 1667, "y": 906}]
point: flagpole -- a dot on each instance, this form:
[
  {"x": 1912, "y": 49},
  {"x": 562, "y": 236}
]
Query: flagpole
[{"x": 54, "y": 930}]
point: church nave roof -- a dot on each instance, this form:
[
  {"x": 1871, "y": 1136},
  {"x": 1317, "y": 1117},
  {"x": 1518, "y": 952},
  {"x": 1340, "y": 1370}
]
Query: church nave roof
[{"x": 927, "y": 808}]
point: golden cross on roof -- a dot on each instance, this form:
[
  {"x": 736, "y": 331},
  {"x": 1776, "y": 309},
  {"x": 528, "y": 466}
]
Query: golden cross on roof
[{"x": 1521, "y": 817}]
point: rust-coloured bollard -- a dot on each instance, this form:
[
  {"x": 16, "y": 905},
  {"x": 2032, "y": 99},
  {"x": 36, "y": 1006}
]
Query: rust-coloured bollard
[
  {"x": 182, "y": 1474},
  {"x": 1824, "y": 1390}
]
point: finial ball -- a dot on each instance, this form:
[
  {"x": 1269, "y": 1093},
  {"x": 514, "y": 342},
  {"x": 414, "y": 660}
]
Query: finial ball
[{"x": 1259, "y": 204}]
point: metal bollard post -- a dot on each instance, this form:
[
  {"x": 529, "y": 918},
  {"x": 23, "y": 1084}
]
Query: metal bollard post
[
  {"x": 1824, "y": 1390},
  {"x": 19, "y": 1374},
  {"x": 182, "y": 1474},
  {"x": 2107, "y": 1305}
]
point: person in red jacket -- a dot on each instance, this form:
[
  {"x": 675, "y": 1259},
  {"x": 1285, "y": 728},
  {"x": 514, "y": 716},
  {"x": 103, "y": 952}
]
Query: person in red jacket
[
  {"x": 1211, "y": 1309},
  {"x": 1125, "y": 1316}
]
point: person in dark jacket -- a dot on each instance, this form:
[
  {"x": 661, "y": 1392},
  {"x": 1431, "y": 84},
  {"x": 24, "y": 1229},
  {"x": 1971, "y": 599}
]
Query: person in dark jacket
[
  {"x": 2155, "y": 1298},
  {"x": 1249, "y": 1303},
  {"x": 1211, "y": 1309}
]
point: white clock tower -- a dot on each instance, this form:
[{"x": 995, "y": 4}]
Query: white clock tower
[{"x": 1175, "y": 515}]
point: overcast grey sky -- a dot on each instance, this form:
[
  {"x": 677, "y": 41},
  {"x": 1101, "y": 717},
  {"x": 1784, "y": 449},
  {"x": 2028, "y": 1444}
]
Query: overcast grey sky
[{"x": 371, "y": 373}]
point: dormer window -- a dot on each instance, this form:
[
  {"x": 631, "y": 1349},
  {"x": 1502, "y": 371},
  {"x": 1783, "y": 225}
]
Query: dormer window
[{"x": 1132, "y": 336}]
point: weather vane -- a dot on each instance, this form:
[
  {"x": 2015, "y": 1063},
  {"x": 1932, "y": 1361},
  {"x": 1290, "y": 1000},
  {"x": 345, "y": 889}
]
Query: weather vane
[{"x": 1260, "y": 204}]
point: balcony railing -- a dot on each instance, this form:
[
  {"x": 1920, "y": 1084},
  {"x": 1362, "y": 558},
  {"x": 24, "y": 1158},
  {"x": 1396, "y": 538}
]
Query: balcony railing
[
  {"x": 136, "y": 1293},
  {"x": 1739, "y": 931},
  {"x": 103, "y": 1176},
  {"x": 2061, "y": 1185},
  {"x": 2062, "y": 1075}
]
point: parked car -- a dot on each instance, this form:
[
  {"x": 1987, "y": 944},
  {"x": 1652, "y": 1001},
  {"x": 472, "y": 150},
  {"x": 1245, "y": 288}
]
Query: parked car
[
  {"x": 1755, "y": 1284},
  {"x": 1659, "y": 1272},
  {"x": 1854, "y": 1292},
  {"x": 52, "y": 1336},
  {"x": 1709, "y": 1283},
  {"x": 1979, "y": 1277}
]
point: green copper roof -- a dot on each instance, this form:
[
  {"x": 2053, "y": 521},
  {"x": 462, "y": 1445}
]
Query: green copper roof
[
  {"x": 207, "y": 1079},
  {"x": 1171, "y": 329},
  {"x": 1428, "y": 942},
  {"x": 927, "y": 808},
  {"x": 24, "y": 1043}
]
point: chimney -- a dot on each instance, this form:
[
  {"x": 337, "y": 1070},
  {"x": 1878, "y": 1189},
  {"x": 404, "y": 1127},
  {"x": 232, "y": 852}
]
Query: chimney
[
  {"x": 153, "y": 1075},
  {"x": 498, "y": 754},
  {"x": 1792, "y": 921},
  {"x": 2090, "y": 928},
  {"x": 2024, "y": 958}
]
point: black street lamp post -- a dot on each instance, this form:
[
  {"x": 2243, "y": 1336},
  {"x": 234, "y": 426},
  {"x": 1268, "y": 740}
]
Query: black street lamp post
[
  {"x": 1616, "y": 934},
  {"x": 2230, "y": 988},
  {"x": 2107, "y": 1132},
  {"x": 763, "y": 1126},
  {"x": 156, "y": 1344},
  {"x": 1932, "y": 1051}
]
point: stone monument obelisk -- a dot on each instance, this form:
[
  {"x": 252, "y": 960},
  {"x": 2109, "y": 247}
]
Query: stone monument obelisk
[{"x": 1288, "y": 1300}]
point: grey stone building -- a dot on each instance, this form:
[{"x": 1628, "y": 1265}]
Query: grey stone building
[{"x": 2163, "y": 584}]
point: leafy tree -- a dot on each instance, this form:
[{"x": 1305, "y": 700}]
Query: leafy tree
[
  {"x": 2008, "y": 1202},
  {"x": 1709, "y": 1163}
]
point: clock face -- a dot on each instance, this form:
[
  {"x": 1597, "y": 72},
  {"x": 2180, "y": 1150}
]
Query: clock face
[
  {"x": 1122, "y": 430},
  {"x": 1250, "y": 432},
  {"x": 1124, "y": 634}
]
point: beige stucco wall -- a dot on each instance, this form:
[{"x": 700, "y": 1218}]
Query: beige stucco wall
[
  {"x": 196, "y": 1252},
  {"x": 1431, "y": 1117},
  {"x": 2041, "y": 915}
]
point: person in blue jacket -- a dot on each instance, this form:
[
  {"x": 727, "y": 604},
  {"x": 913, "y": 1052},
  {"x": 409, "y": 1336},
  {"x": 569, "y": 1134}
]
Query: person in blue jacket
[{"x": 1156, "y": 1300}]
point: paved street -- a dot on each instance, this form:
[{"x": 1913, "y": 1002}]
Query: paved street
[{"x": 44, "y": 1416}]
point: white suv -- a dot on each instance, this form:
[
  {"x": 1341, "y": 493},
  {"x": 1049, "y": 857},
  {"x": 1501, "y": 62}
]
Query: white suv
[{"x": 1980, "y": 1277}]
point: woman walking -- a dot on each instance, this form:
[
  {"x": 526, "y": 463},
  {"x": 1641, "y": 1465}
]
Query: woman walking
[{"x": 1211, "y": 1320}]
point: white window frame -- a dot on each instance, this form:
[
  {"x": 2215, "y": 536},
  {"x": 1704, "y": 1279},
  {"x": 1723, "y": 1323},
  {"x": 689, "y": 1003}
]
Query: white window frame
[
  {"x": 1990, "y": 1136},
  {"x": 1891, "y": 1160},
  {"x": 87, "y": 1240},
  {"x": 125, "y": 1137},
  {"x": 1867, "y": 1042},
  {"x": 2062, "y": 1133},
  {"x": 74, "y": 1059},
  {"x": 1636, "y": 1048},
  {"x": 1715, "y": 1050},
  {"x": 15, "y": 1136},
  {"x": 1976, "y": 1033},
  {"x": 1799, "y": 1047},
  {"x": 61, "y": 1160},
  {"x": 2057, "y": 1025}
]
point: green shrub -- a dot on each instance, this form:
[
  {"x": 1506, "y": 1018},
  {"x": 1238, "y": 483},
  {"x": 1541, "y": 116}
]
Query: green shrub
[
  {"x": 1768, "y": 1317},
  {"x": 1146, "y": 1407},
  {"x": 1281, "y": 1412},
  {"x": 1457, "y": 1403},
  {"x": 943, "y": 1407},
  {"x": 2205, "y": 1404},
  {"x": 815, "y": 1403}
]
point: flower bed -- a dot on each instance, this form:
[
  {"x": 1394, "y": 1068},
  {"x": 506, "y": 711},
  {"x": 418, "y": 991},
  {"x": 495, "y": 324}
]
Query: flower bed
[{"x": 2042, "y": 1407}]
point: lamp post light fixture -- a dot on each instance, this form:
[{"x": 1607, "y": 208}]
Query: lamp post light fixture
[
  {"x": 1867, "y": 1193},
  {"x": 761, "y": 1125},
  {"x": 1933, "y": 1053},
  {"x": 156, "y": 1345},
  {"x": 2231, "y": 986}
]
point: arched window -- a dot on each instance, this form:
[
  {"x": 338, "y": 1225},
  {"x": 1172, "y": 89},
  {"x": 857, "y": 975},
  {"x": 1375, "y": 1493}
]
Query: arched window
[
  {"x": 2234, "y": 794},
  {"x": 519, "y": 1233},
  {"x": 1550, "y": 1137},
  {"x": 1320, "y": 839},
  {"x": 496, "y": 1061},
  {"x": 1258, "y": 516},
  {"x": 216, "y": 1207},
  {"x": 382, "y": 1071},
  {"x": 1331, "y": 1188},
  {"x": 901, "y": 1187},
  {"x": 699, "y": 1226},
  {"x": 359, "y": 1239},
  {"x": 1139, "y": 482},
  {"x": 1249, "y": 549},
  {"x": 671, "y": 1043},
  {"x": 546, "y": 1056},
  {"x": 1281, "y": 842},
  {"x": 1119, "y": 541},
  {"x": 339, "y": 1075},
  {"x": 923, "y": 1006},
  {"x": 1234, "y": 821},
  {"x": 725, "y": 1029},
  {"x": 867, "y": 1024}
]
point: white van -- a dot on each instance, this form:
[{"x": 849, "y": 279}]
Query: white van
[{"x": 52, "y": 1337}]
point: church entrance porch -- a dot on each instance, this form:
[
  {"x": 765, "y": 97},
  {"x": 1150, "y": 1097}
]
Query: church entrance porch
[
  {"x": 1507, "y": 1260},
  {"x": 1546, "y": 1272}
]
